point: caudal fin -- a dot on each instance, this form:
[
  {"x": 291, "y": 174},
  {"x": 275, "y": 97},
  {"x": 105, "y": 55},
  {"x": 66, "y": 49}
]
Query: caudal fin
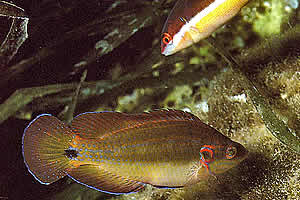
[{"x": 45, "y": 141}]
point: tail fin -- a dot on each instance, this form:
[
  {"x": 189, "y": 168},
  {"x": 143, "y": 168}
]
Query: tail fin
[{"x": 45, "y": 141}]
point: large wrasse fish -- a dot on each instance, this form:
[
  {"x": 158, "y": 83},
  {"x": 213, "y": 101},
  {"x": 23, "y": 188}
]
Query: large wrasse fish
[
  {"x": 119, "y": 153},
  {"x": 193, "y": 20}
]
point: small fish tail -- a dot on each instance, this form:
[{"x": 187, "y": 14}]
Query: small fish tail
[{"x": 46, "y": 141}]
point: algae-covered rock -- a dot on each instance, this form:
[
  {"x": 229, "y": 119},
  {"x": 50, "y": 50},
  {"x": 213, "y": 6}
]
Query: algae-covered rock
[
  {"x": 271, "y": 166},
  {"x": 282, "y": 83}
]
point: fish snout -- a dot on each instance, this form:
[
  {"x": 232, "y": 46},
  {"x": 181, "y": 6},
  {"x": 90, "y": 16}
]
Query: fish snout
[{"x": 241, "y": 152}]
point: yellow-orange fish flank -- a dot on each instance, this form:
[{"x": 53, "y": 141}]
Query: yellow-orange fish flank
[
  {"x": 193, "y": 20},
  {"x": 120, "y": 153}
]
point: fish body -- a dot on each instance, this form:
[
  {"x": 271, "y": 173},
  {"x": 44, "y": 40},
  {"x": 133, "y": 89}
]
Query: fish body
[
  {"x": 120, "y": 153},
  {"x": 193, "y": 20}
]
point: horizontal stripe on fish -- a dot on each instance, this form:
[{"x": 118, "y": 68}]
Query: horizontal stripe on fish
[{"x": 120, "y": 153}]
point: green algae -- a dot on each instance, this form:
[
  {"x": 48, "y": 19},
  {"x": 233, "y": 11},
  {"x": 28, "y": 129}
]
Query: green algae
[
  {"x": 269, "y": 22},
  {"x": 178, "y": 97}
]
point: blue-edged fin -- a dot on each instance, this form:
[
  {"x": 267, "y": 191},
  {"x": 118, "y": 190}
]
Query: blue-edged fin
[
  {"x": 44, "y": 143},
  {"x": 92, "y": 125},
  {"x": 97, "y": 178},
  {"x": 97, "y": 124}
]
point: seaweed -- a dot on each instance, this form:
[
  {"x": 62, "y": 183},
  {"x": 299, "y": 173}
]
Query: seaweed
[{"x": 17, "y": 33}]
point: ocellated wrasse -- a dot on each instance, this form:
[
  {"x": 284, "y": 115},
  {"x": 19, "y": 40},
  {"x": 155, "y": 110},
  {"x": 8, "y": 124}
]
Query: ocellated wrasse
[{"x": 119, "y": 153}]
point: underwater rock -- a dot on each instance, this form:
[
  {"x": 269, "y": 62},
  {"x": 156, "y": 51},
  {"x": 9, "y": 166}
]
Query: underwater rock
[{"x": 282, "y": 82}]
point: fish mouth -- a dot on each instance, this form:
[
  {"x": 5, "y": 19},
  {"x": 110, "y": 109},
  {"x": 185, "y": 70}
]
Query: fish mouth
[
  {"x": 168, "y": 50},
  {"x": 242, "y": 152}
]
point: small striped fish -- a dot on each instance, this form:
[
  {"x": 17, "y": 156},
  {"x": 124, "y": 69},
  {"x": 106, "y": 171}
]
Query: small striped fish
[
  {"x": 193, "y": 20},
  {"x": 120, "y": 153}
]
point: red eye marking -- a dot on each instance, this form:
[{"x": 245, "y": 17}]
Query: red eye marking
[
  {"x": 207, "y": 149},
  {"x": 166, "y": 38},
  {"x": 230, "y": 152},
  {"x": 206, "y": 156}
]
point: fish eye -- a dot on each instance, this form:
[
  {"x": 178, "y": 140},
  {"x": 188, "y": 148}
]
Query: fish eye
[
  {"x": 231, "y": 152},
  {"x": 166, "y": 38}
]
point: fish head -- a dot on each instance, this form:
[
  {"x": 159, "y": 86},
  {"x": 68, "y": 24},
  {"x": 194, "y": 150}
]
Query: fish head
[
  {"x": 217, "y": 159},
  {"x": 166, "y": 44},
  {"x": 171, "y": 44},
  {"x": 175, "y": 33},
  {"x": 184, "y": 27}
]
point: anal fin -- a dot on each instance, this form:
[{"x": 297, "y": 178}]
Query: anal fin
[{"x": 97, "y": 178}]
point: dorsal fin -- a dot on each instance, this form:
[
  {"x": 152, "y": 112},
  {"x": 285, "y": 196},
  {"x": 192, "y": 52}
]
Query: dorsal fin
[
  {"x": 95, "y": 124},
  {"x": 182, "y": 12},
  {"x": 97, "y": 178}
]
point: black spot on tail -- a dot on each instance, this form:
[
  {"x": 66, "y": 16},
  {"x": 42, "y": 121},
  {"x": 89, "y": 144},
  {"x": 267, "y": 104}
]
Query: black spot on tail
[{"x": 71, "y": 153}]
